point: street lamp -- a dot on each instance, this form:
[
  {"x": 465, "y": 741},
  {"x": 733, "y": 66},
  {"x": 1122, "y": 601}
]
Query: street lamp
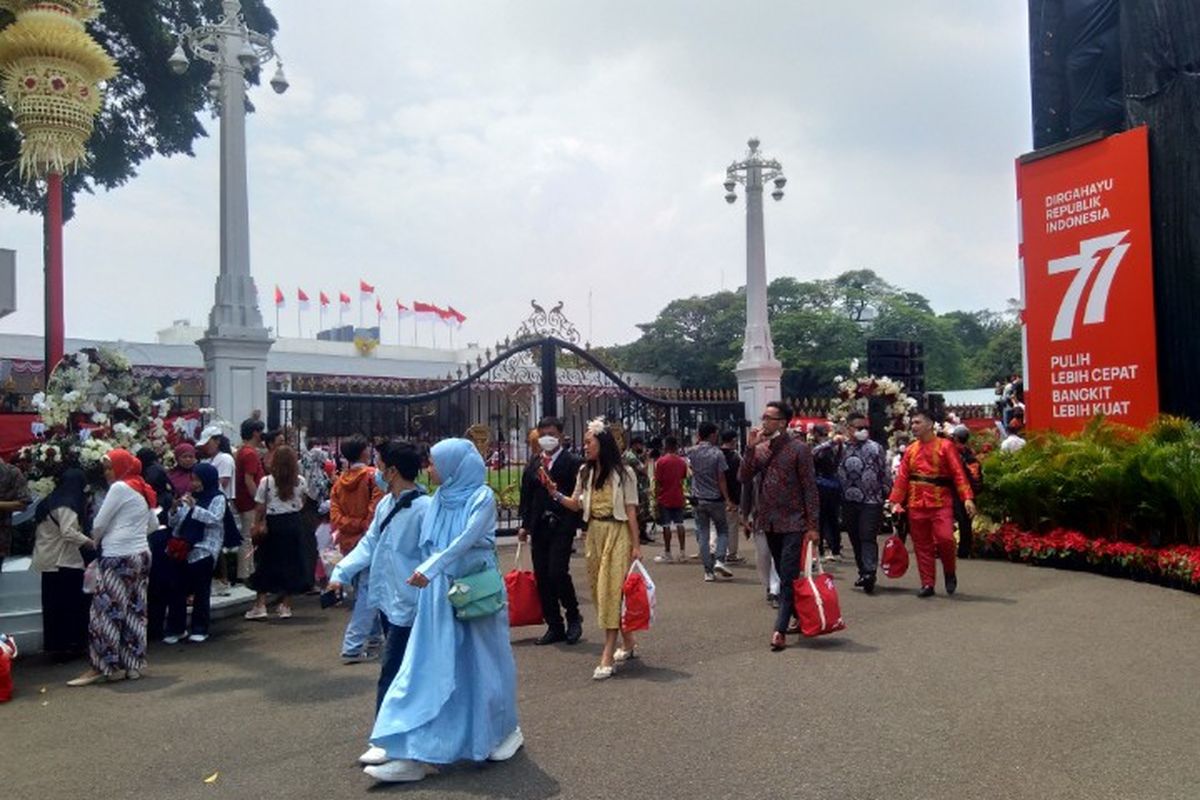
[
  {"x": 758, "y": 371},
  {"x": 236, "y": 341}
]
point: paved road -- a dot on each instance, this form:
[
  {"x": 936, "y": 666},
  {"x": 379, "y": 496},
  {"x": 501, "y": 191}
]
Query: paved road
[{"x": 1030, "y": 683}]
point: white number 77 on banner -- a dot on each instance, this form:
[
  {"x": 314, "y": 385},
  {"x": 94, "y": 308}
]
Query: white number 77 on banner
[{"x": 1083, "y": 264}]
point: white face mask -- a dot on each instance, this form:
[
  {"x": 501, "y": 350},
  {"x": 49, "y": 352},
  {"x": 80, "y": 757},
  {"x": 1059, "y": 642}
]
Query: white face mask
[
  {"x": 862, "y": 434},
  {"x": 548, "y": 443}
]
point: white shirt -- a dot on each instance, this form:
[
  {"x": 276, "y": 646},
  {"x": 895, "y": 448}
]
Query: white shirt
[
  {"x": 225, "y": 469},
  {"x": 267, "y": 495},
  {"x": 123, "y": 522}
]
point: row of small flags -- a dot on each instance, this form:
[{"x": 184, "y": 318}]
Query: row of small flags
[{"x": 448, "y": 315}]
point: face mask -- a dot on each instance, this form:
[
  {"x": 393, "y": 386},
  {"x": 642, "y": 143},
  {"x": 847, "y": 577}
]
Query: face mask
[
  {"x": 381, "y": 482},
  {"x": 548, "y": 443},
  {"x": 862, "y": 434}
]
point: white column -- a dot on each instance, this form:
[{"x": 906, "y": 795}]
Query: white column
[
  {"x": 758, "y": 373},
  {"x": 236, "y": 343}
]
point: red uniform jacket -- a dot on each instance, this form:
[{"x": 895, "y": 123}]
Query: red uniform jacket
[{"x": 929, "y": 475}]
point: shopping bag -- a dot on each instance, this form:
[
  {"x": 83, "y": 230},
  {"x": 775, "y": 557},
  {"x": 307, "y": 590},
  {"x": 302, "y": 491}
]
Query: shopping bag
[
  {"x": 894, "y": 561},
  {"x": 815, "y": 599},
  {"x": 524, "y": 603},
  {"x": 637, "y": 599},
  {"x": 8, "y": 651}
]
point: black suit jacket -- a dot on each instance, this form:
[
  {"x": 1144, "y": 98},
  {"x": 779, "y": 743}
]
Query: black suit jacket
[{"x": 538, "y": 509}]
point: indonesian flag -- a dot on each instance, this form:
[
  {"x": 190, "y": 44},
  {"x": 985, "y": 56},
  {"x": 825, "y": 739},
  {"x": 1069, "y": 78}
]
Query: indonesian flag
[
  {"x": 365, "y": 288},
  {"x": 457, "y": 318},
  {"x": 402, "y": 310},
  {"x": 278, "y": 296},
  {"x": 343, "y": 298},
  {"x": 379, "y": 307},
  {"x": 445, "y": 316},
  {"x": 324, "y": 298},
  {"x": 426, "y": 309},
  {"x": 301, "y": 298}
]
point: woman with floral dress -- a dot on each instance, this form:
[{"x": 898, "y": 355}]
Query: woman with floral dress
[{"x": 117, "y": 621}]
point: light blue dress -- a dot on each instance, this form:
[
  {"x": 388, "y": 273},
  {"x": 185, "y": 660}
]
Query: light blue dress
[{"x": 455, "y": 696}]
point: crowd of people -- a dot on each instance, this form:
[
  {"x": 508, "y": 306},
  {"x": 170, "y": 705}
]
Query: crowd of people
[{"x": 142, "y": 562}]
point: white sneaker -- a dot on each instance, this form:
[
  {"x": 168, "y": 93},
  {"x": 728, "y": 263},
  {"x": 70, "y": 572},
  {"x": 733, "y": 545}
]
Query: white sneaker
[
  {"x": 258, "y": 612},
  {"x": 401, "y": 770},
  {"x": 709, "y": 577},
  {"x": 198, "y": 637},
  {"x": 722, "y": 570},
  {"x": 509, "y": 747},
  {"x": 665, "y": 558},
  {"x": 171, "y": 639},
  {"x": 220, "y": 589},
  {"x": 374, "y": 756},
  {"x": 832, "y": 558}
]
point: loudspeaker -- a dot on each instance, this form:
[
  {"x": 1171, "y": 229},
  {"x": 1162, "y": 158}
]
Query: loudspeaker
[
  {"x": 936, "y": 405},
  {"x": 882, "y": 348},
  {"x": 891, "y": 366}
]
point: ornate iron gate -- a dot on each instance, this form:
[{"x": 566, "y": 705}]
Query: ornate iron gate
[{"x": 543, "y": 372}]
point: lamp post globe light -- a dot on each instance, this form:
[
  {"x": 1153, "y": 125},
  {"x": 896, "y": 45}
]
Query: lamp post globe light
[
  {"x": 236, "y": 342},
  {"x": 758, "y": 372}
]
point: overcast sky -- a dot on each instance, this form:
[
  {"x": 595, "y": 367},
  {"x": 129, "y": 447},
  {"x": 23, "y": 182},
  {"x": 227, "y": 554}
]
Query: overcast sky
[{"x": 480, "y": 154}]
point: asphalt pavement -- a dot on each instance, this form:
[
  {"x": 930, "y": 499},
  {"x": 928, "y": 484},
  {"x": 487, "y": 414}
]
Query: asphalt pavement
[{"x": 1029, "y": 683}]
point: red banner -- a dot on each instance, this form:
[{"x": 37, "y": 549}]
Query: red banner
[{"x": 1087, "y": 284}]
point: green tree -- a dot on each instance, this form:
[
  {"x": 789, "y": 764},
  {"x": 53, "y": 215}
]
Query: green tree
[
  {"x": 1000, "y": 358},
  {"x": 147, "y": 109}
]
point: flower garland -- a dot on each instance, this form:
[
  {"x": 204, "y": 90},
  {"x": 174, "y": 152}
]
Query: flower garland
[
  {"x": 93, "y": 403},
  {"x": 854, "y": 393}
]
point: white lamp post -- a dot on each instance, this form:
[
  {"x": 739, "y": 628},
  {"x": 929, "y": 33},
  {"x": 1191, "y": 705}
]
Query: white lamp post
[
  {"x": 236, "y": 343},
  {"x": 758, "y": 372}
]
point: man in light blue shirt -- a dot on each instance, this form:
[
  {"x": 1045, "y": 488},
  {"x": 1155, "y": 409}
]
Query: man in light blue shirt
[{"x": 391, "y": 548}]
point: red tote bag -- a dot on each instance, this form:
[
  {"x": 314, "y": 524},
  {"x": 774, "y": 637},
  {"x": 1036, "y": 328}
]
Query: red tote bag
[
  {"x": 894, "y": 562},
  {"x": 524, "y": 605},
  {"x": 8, "y": 651},
  {"x": 815, "y": 599}
]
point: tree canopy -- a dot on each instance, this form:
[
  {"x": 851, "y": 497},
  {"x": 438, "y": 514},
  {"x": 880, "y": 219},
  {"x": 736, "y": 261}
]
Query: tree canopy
[
  {"x": 147, "y": 109},
  {"x": 818, "y": 328}
]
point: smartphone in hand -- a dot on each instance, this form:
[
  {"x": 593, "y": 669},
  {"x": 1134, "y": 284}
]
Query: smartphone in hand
[{"x": 331, "y": 598}]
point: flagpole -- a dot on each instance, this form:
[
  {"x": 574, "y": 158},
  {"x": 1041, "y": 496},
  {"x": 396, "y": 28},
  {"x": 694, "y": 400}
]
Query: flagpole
[
  {"x": 299, "y": 324},
  {"x": 277, "y": 319},
  {"x": 361, "y": 324},
  {"x": 433, "y": 332}
]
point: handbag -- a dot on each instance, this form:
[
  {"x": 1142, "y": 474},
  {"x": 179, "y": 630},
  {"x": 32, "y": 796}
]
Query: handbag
[
  {"x": 477, "y": 594},
  {"x": 894, "y": 562},
  {"x": 815, "y": 599},
  {"x": 524, "y": 603},
  {"x": 638, "y": 599}
]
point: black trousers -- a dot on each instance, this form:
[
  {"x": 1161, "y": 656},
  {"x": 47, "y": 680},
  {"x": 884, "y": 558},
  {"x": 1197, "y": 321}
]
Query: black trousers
[
  {"x": 193, "y": 579},
  {"x": 551, "y": 552},
  {"x": 965, "y": 535},
  {"x": 786, "y": 550},
  {"x": 395, "y": 643},
  {"x": 65, "y": 612},
  {"x": 831, "y": 534},
  {"x": 863, "y": 521}
]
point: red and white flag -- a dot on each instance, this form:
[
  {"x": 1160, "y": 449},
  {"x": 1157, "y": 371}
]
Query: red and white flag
[
  {"x": 278, "y": 296},
  {"x": 457, "y": 318},
  {"x": 426, "y": 310},
  {"x": 324, "y": 298},
  {"x": 402, "y": 310},
  {"x": 379, "y": 307},
  {"x": 365, "y": 289},
  {"x": 445, "y": 316},
  {"x": 302, "y": 298},
  {"x": 343, "y": 298}
]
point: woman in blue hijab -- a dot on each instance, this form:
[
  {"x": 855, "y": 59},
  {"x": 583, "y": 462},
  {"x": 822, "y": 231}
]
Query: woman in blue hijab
[
  {"x": 455, "y": 697},
  {"x": 198, "y": 523}
]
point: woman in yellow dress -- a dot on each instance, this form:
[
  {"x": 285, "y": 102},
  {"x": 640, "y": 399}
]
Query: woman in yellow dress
[{"x": 606, "y": 493}]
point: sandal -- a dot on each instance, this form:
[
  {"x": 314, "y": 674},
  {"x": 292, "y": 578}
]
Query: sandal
[
  {"x": 602, "y": 673},
  {"x": 778, "y": 642}
]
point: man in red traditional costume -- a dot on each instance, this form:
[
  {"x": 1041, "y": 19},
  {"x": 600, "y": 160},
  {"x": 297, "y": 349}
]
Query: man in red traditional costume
[{"x": 930, "y": 473}]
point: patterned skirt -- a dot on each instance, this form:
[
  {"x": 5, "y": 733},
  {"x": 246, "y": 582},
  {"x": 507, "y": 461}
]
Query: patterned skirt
[{"x": 117, "y": 621}]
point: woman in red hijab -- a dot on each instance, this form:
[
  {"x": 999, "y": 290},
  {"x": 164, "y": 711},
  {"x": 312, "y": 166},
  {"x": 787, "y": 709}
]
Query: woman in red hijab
[{"x": 117, "y": 620}]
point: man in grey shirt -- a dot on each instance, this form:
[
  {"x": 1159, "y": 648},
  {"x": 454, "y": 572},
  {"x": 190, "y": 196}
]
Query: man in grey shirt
[{"x": 712, "y": 501}]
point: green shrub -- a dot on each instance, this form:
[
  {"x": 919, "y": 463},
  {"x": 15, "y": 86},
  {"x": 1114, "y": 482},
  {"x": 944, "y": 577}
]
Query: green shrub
[{"x": 1107, "y": 480}]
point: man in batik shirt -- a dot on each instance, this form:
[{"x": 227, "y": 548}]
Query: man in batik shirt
[
  {"x": 930, "y": 472},
  {"x": 865, "y": 480}
]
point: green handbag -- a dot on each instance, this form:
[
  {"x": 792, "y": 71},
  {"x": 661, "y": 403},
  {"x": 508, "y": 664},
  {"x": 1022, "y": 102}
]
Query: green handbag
[{"x": 479, "y": 594}]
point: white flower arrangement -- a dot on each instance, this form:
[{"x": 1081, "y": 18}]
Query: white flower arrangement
[{"x": 42, "y": 487}]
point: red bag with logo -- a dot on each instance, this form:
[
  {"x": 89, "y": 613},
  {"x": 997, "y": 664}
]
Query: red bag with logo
[
  {"x": 524, "y": 605},
  {"x": 8, "y": 651},
  {"x": 638, "y": 597},
  {"x": 894, "y": 562},
  {"x": 815, "y": 599}
]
